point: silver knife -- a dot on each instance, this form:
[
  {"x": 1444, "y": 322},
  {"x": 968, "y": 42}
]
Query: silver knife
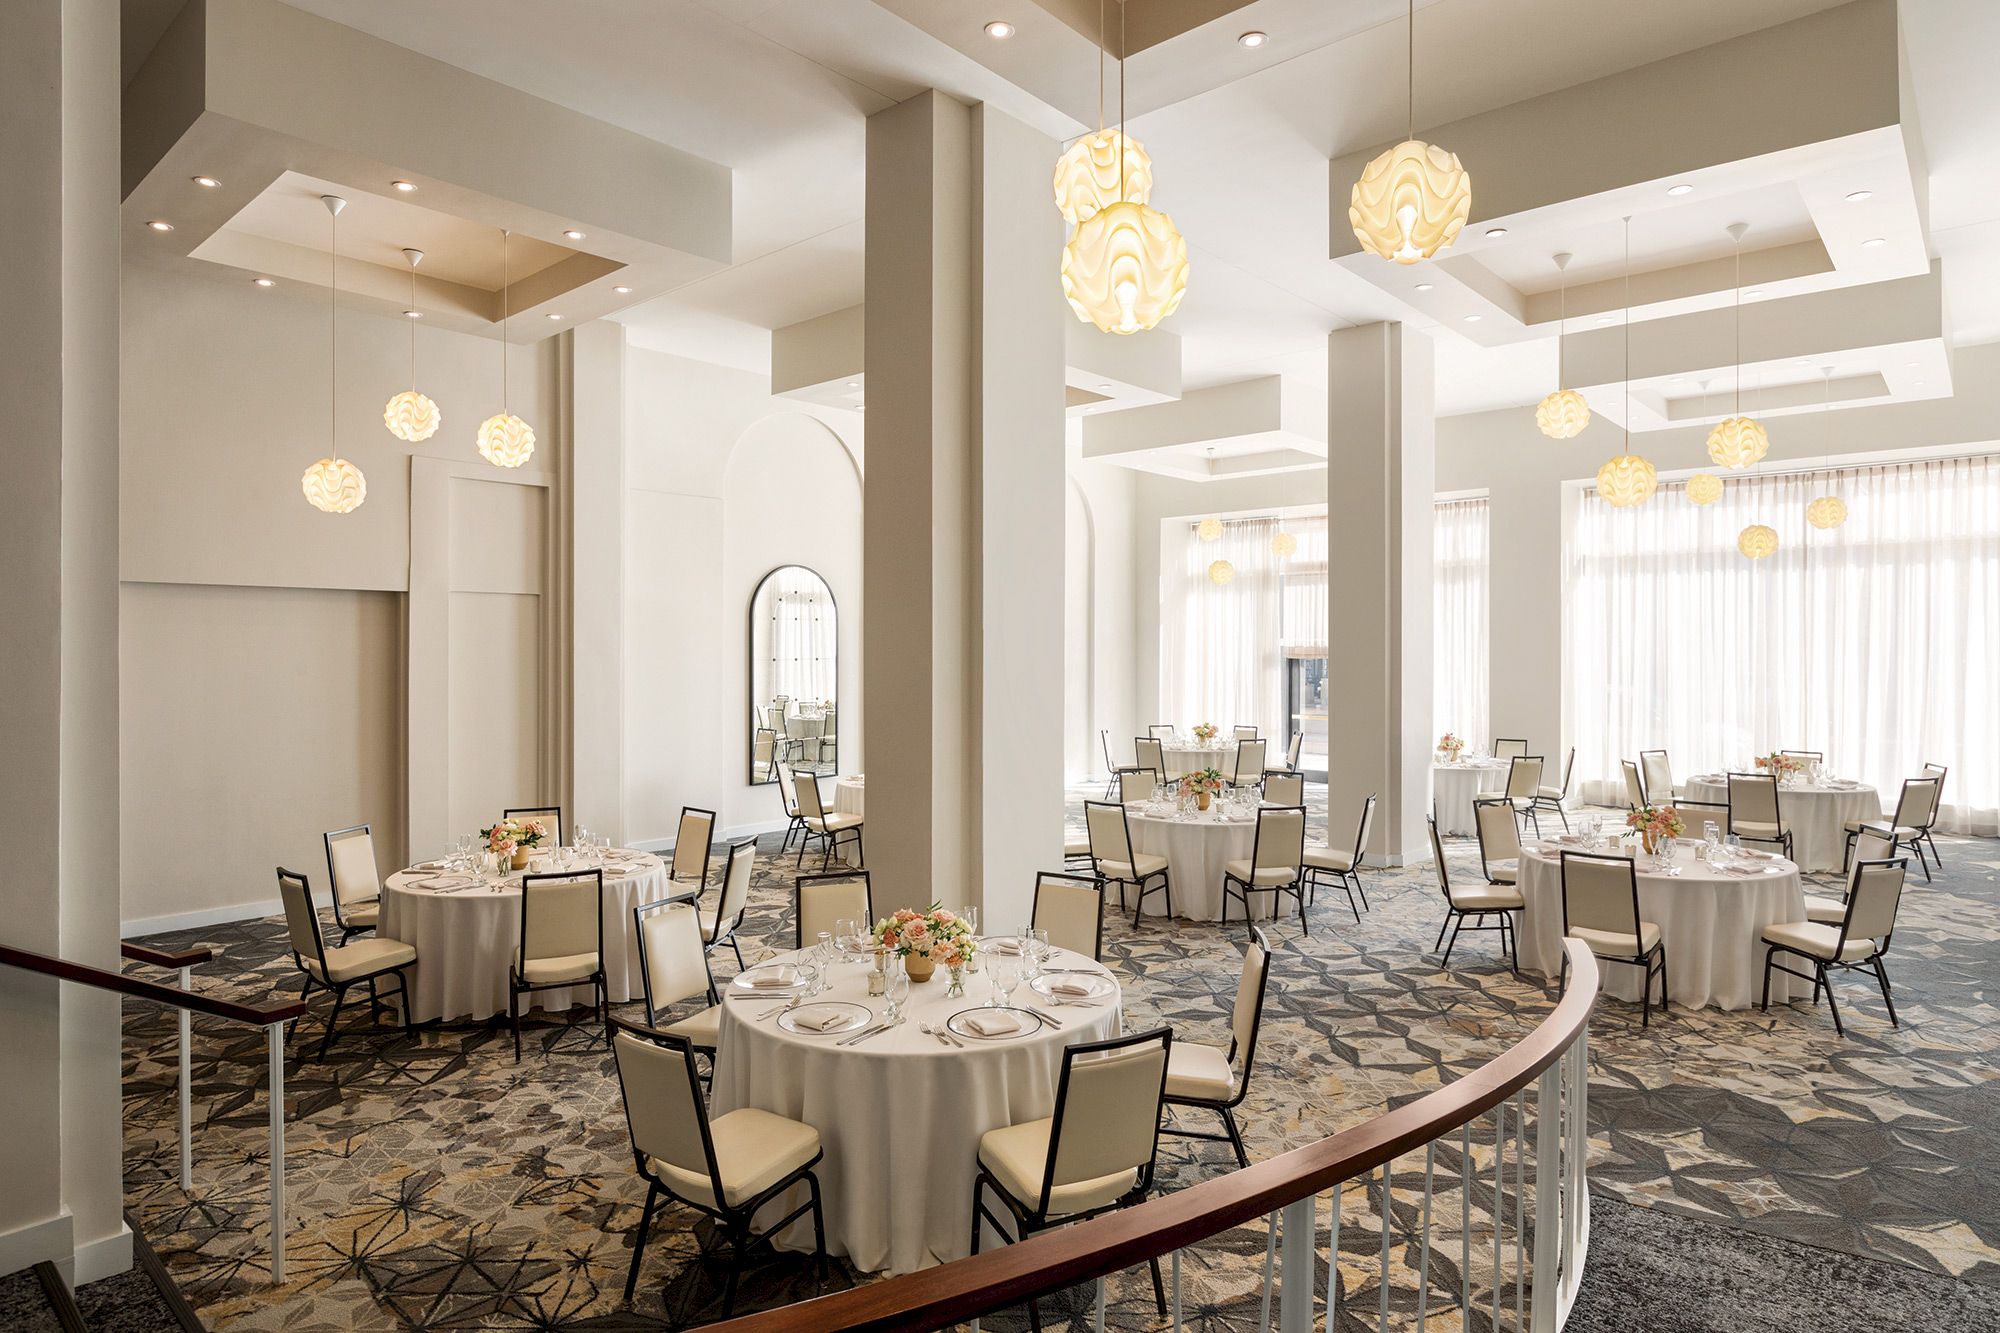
[
  {"x": 869, "y": 1031},
  {"x": 875, "y": 1031}
]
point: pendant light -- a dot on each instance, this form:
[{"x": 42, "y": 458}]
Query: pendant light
[
  {"x": 1828, "y": 511},
  {"x": 504, "y": 439},
  {"x": 1564, "y": 413},
  {"x": 1628, "y": 479},
  {"x": 1284, "y": 545},
  {"x": 1101, "y": 168},
  {"x": 410, "y": 416},
  {"x": 1208, "y": 529},
  {"x": 1757, "y": 541},
  {"x": 1413, "y": 200},
  {"x": 1221, "y": 573},
  {"x": 1125, "y": 268},
  {"x": 1704, "y": 488},
  {"x": 333, "y": 485},
  {"x": 1738, "y": 441}
]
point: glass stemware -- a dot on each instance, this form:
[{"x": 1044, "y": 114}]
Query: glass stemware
[
  {"x": 1005, "y": 974},
  {"x": 895, "y": 986}
]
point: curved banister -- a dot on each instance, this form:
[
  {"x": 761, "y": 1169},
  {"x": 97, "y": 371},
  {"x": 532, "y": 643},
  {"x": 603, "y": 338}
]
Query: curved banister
[
  {"x": 172, "y": 959},
  {"x": 84, "y": 974},
  {"x": 967, "y": 1288}
]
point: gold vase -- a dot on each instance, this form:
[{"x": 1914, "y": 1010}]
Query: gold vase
[
  {"x": 1201, "y": 800},
  {"x": 521, "y": 855},
  {"x": 919, "y": 967}
]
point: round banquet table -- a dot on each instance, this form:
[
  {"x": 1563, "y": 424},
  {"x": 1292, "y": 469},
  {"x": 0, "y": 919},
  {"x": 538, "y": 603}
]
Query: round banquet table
[
  {"x": 466, "y": 934},
  {"x": 1197, "y": 848},
  {"x": 1710, "y": 922},
  {"x": 850, "y": 795},
  {"x": 1454, "y": 787},
  {"x": 899, "y": 1115},
  {"x": 1817, "y": 815},
  {"x": 1188, "y": 756}
]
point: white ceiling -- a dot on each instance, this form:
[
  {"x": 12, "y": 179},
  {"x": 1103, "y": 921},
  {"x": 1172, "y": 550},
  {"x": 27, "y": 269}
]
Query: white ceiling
[{"x": 779, "y": 90}]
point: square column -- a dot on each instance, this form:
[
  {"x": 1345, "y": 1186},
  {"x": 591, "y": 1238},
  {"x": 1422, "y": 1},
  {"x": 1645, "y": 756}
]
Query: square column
[
  {"x": 962, "y": 554},
  {"x": 1380, "y": 472}
]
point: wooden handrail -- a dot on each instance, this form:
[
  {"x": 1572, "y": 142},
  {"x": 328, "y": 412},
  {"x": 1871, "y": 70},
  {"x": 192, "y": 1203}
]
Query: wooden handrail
[
  {"x": 84, "y": 974},
  {"x": 967, "y": 1288},
  {"x": 174, "y": 959}
]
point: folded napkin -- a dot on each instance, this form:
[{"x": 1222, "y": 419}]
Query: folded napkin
[
  {"x": 1006, "y": 944},
  {"x": 1070, "y": 986},
  {"x": 823, "y": 1020},
  {"x": 774, "y": 978},
  {"x": 1752, "y": 854},
  {"x": 995, "y": 1024}
]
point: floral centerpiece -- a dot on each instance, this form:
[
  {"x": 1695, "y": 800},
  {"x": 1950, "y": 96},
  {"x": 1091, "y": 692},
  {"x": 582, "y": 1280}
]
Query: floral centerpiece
[
  {"x": 1449, "y": 746},
  {"x": 514, "y": 839},
  {"x": 1655, "y": 822},
  {"x": 1783, "y": 767},
  {"x": 1202, "y": 786},
  {"x": 925, "y": 939},
  {"x": 1205, "y": 732}
]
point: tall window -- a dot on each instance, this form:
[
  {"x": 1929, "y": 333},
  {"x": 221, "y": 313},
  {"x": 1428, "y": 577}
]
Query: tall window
[
  {"x": 1220, "y": 657},
  {"x": 1458, "y": 621},
  {"x": 1877, "y": 642}
]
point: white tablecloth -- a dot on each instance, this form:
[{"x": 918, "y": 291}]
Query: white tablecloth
[
  {"x": 1196, "y": 849},
  {"x": 1192, "y": 757},
  {"x": 1817, "y": 815},
  {"x": 1710, "y": 924},
  {"x": 465, "y": 939},
  {"x": 899, "y": 1116},
  {"x": 850, "y": 795},
  {"x": 1455, "y": 786}
]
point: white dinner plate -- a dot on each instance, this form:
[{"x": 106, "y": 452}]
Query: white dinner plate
[
  {"x": 1030, "y": 1022},
  {"x": 849, "y": 1015},
  {"x": 1100, "y": 986},
  {"x": 444, "y": 882},
  {"x": 745, "y": 981}
]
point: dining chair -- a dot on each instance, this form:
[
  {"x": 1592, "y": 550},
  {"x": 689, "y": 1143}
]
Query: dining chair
[
  {"x": 829, "y": 739},
  {"x": 1247, "y": 769},
  {"x": 788, "y": 793},
  {"x": 1635, "y": 785},
  {"x": 356, "y": 885},
  {"x": 1552, "y": 798},
  {"x": 1275, "y": 865},
  {"x": 826, "y": 828},
  {"x": 1343, "y": 863},
  {"x": 1873, "y": 842},
  {"x": 725, "y": 1169},
  {"x": 1116, "y": 861},
  {"x": 1208, "y": 1077},
  {"x": 1499, "y": 836},
  {"x": 1162, "y": 730},
  {"x": 1915, "y": 809},
  {"x": 1659, "y": 775},
  {"x": 693, "y": 846},
  {"x": 1284, "y": 789},
  {"x": 1136, "y": 784},
  {"x": 1291, "y": 764},
  {"x": 820, "y": 902},
  {"x": 763, "y": 752},
  {"x": 1241, "y": 733},
  {"x": 724, "y": 919},
  {"x": 1858, "y": 941},
  {"x": 1071, "y": 909},
  {"x": 1095, "y": 1154},
  {"x": 1111, "y": 765},
  {"x": 1524, "y": 786},
  {"x": 1753, "y": 810},
  {"x": 1818, "y": 756},
  {"x": 1150, "y": 754},
  {"x": 1505, "y": 747},
  {"x": 1600, "y": 895},
  {"x": 673, "y": 967},
  {"x": 550, "y": 817},
  {"x": 1937, "y": 771},
  {"x": 562, "y": 940},
  {"x": 343, "y": 966},
  {"x": 1076, "y": 851},
  {"x": 1475, "y": 905}
]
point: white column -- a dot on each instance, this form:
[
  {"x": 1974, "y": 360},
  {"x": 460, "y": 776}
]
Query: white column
[
  {"x": 1380, "y": 469},
  {"x": 593, "y": 500}
]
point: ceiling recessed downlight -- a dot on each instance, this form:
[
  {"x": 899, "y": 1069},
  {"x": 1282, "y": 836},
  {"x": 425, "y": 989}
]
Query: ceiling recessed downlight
[
  {"x": 1604, "y": 319},
  {"x": 854, "y": 384},
  {"x": 1104, "y": 388},
  {"x": 1426, "y": 286},
  {"x": 1874, "y": 241},
  {"x": 1252, "y": 39},
  {"x": 553, "y": 315},
  {"x": 405, "y": 186},
  {"x": 621, "y": 290},
  {"x": 207, "y": 182},
  {"x": 158, "y": 225},
  {"x": 1496, "y": 232},
  {"x": 1676, "y": 191},
  {"x": 1859, "y": 195},
  {"x": 1472, "y": 319},
  {"x": 1754, "y": 292},
  {"x": 413, "y": 314},
  {"x": 264, "y": 282},
  {"x": 999, "y": 30},
  {"x": 573, "y": 234}
]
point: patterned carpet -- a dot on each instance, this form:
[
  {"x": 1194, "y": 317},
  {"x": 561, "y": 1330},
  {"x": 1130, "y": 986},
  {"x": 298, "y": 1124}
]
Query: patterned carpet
[{"x": 438, "y": 1185}]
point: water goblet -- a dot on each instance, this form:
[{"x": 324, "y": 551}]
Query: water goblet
[
  {"x": 895, "y": 986},
  {"x": 1005, "y": 974}
]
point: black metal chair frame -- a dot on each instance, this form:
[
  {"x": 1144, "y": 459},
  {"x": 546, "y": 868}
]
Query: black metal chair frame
[
  {"x": 707, "y": 849},
  {"x": 1784, "y": 838},
  {"x": 734, "y": 1223},
  {"x": 1821, "y": 977},
  {"x": 1499, "y": 741},
  {"x": 1110, "y": 764},
  {"x": 1255, "y": 776},
  {"x": 725, "y": 933},
  {"x": 1227, "y": 1109},
  {"x": 1644, "y": 960},
  {"x": 818, "y": 877},
  {"x": 518, "y": 985},
  {"x": 1062, "y": 877},
  {"x": 1160, "y": 730},
  {"x": 1165, "y": 885},
  {"x": 1479, "y": 836},
  {"x": 830, "y": 840},
  {"x": 1456, "y": 916},
  {"x": 645, "y": 972},
  {"x": 1232, "y": 887},
  {"x": 1937, "y": 771},
  {"x": 770, "y": 764},
  {"x": 1350, "y": 878},
  {"x": 1526, "y": 808},
  {"x": 1915, "y": 844},
  {"x": 347, "y": 932},
  {"x": 795, "y": 818},
  {"x": 340, "y": 988},
  {"x": 1139, "y": 744},
  {"x": 556, "y": 810},
  {"x": 1555, "y": 803}
]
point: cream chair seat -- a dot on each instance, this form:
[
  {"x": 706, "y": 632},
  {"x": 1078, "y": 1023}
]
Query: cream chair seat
[
  {"x": 356, "y": 915},
  {"x": 1612, "y": 943},
  {"x": 1270, "y": 875},
  {"x": 348, "y": 962},
  {"x": 1076, "y": 846},
  {"x": 550, "y": 971},
  {"x": 1336, "y": 859},
  {"x": 1818, "y": 940},
  {"x": 703, "y": 1029},
  {"x": 1903, "y": 832},
  {"x": 838, "y": 821},
  {"x": 1194, "y": 1070},
  {"x": 1142, "y": 865},
  {"x": 1487, "y": 898},
  {"x": 754, "y": 1150},
  {"x": 1018, "y": 1155}
]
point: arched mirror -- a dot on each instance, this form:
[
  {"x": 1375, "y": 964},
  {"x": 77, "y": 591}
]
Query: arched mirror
[{"x": 794, "y": 672}]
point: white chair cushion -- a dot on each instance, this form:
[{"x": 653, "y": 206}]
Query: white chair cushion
[
  {"x": 1504, "y": 872},
  {"x": 1613, "y": 945},
  {"x": 1269, "y": 876},
  {"x": 1017, "y": 1155},
  {"x": 1486, "y": 898},
  {"x": 1904, "y": 832},
  {"x": 1198, "y": 1071},
  {"x": 754, "y": 1150},
  {"x": 362, "y": 958},
  {"x": 1817, "y": 939},
  {"x": 1829, "y": 911},
  {"x": 1137, "y": 869},
  {"x": 1751, "y": 828},
  {"x": 703, "y": 1029},
  {"x": 834, "y": 823},
  {"x": 1329, "y": 858},
  {"x": 548, "y": 971},
  {"x": 361, "y": 914},
  {"x": 1551, "y": 793}
]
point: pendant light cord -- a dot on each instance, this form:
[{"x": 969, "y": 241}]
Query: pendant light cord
[
  {"x": 1738, "y": 377},
  {"x": 1100, "y": 66},
  {"x": 506, "y": 294},
  {"x": 1562, "y": 316},
  {"x": 1121, "y": 101},
  {"x": 413, "y": 327},
  {"x": 333, "y": 342},
  {"x": 1410, "y": 83},
  {"x": 1628, "y": 334}
]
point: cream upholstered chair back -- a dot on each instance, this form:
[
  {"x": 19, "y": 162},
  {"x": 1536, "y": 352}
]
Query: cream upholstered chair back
[
  {"x": 301, "y": 921},
  {"x": 1438, "y": 867},
  {"x": 663, "y": 1106},
  {"x": 561, "y": 915},
  {"x": 1104, "y": 743},
  {"x": 1242, "y": 733},
  {"x": 1507, "y": 747},
  {"x": 1285, "y": 789},
  {"x": 1137, "y": 784},
  {"x": 1281, "y": 838},
  {"x": 807, "y": 787},
  {"x": 1248, "y": 1010},
  {"x": 1107, "y": 1108},
  {"x": 1936, "y": 771},
  {"x": 350, "y": 864},
  {"x": 1524, "y": 777},
  {"x": 1071, "y": 909},
  {"x": 1872, "y": 901},
  {"x": 1160, "y": 729},
  {"x": 1870, "y": 845},
  {"x": 788, "y": 789},
  {"x": 827, "y": 730},
  {"x": 823, "y": 900},
  {"x": 1104, "y": 821},
  {"x": 548, "y": 816},
  {"x": 1499, "y": 834},
  {"x": 691, "y": 844},
  {"x": 1659, "y": 774},
  {"x": 1915, "y": 806},
  {"x": 735, "y": 896},
  {"x": 1600, "y": 893},
  {"x": 1249, "y": 761},
  {"x": 1569, "y": 767},
  {"x": 763, "y": 749},
  {"x": 676, "y": 966},
  {"x": 1367, "y": 826},
  {"x": 1151, "y": 754},
  {"x": 1753, "y": 797},
  {"x": 1635, "y": 790},
  {"x": 1292, "y": 750}
]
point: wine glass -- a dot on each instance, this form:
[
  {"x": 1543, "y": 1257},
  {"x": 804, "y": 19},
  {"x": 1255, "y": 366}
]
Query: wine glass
[
  {"x": 1006, "y": 978},
  {"x": 895, "y": 986}
]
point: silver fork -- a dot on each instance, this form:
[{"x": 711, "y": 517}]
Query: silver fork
[
  {"x": 944, "y": 1037},
  {"x": 796, "y": 1001}
]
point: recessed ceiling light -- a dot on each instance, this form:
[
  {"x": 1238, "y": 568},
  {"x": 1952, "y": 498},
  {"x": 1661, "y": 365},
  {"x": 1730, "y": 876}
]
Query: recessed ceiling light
[
  {"x": 207, "y": 182},
  {"x": 1472, "y": 319},
  {"x": 621, "y": 290},
  {"x": 854, "y": 384},
  {"x": 158, "y": 225},
  {"x": 553, "y": 315},
  {"x": 1920, "y": 384},
  {"x": 1754, "y": 291},
  {"x": 573, "y": 234},
  {"x": 1604, "y": 319},
  {"x": 1678, "y": 379},
  {"x": 999, "y": 29},
  {"x": 1676, "y": 191},
  {"x": 1496, "y": 231},
  {"x": 413, "y": 314},
  {"x": 1874, "y": 241},
  {"x": 1253, "y": 40},
  {"x": 1088, "y": 410},
  {"x": 1860, "y": 195},
  {"x": 1425, "y": 286},
  {"x": 1104, "y": 388},
  {"x": 264, "y": 282},
  {"x": 405, "y": 186},
  {"x": 1911, "y": 364}
]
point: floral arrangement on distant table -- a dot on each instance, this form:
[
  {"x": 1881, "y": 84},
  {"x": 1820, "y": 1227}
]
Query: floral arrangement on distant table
[
  {"x": 1202, "y": 785},
  {"x": 1781, "y": 766},
  {"x": 1450, "y": 746},
  {"x": 514, "y": 839},
  {"x": 1206, "y": 732},
  {"x": 927, "y": 938},
  {"x": 1655, "y": 822}
]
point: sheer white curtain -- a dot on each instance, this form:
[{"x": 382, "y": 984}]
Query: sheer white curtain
[
  {"x": 1877, "y": 642},
  {"x": 1458, "y": 621},
  {"x": 802, "y": 636},
  {"x": 1220, "y": 659},
  {"x": 1302, "y": 586}
]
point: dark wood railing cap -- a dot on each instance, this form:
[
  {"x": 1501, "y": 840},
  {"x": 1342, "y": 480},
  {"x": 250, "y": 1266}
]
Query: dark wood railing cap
[
  {"x": 169, "y": 958},
  {"x": 83, "y": 974}
]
